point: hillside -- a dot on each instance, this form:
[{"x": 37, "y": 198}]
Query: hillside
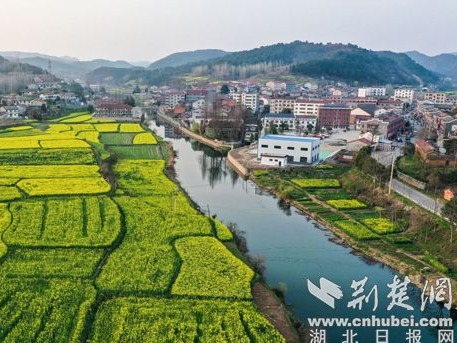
[
  {"x": 15, "y": 76},
  {"x": 367, "y": 67},
  {"x": 444, "y": 64},
  {"x": 182, "y": 58},
  {"x": 65, "y": 67},
  {"x": 301, "y": 58}
]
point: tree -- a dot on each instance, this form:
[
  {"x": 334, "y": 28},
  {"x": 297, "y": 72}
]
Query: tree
[
  {"x": 129, "y": 100},
  {"x": 286, "y": 110},
  {"x": 272, "y": 128},
  {"x": 225, "y": 89},
  {"x": 450, "y": 211},
  {"x": 310, "y": 127},
  {"x": 283, "y": 127},
  {"x": 136, "y": 90}
]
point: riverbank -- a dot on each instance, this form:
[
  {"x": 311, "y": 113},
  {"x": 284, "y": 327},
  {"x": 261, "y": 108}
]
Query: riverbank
[
  {"x": 378, "y": 249},
  {"x": 209, "y": 142},
  {"x": 264, "y": 298}
]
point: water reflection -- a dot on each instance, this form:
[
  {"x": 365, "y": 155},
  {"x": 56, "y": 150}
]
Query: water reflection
[{"x": 294, "y": 246}]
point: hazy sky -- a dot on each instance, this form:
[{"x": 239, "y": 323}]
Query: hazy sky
[{"x": 150, "y": 29}]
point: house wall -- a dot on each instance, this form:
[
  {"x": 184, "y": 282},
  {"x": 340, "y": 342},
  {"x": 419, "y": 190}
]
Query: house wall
[{"x": 300, "y": 151}]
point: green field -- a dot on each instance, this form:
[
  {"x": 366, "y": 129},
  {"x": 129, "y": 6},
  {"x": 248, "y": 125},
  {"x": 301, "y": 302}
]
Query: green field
[
  {"x": 140, "y": 152},
  {"x": 117, "y": 138},
  {"x": 98, "y": 245}
]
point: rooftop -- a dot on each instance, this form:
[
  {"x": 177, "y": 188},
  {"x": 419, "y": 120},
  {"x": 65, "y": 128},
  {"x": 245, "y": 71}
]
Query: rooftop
[
  {"x": 291, "y": 138},
  {"x": 280, "y": 115}
]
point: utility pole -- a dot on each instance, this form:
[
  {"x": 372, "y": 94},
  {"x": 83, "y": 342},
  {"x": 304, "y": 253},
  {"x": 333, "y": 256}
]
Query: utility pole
[{"x": 392, "y": 172}]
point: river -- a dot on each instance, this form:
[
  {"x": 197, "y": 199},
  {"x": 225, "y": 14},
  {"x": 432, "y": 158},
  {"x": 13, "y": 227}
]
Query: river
[{"x": 295, "y": 248}]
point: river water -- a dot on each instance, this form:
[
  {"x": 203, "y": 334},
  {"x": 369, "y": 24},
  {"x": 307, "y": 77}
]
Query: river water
[{"x": 297, "y": 249}]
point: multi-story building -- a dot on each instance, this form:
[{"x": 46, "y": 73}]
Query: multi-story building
[
  {"x": 334, "y": 116},
  {"x": 278, "y": 105},
  {"x": 290, "y": 149},
  {"x": 371, "y": 92},
  {"x": 195, "y": 94},
  {"x": 307, "y": 107},
  {"x": 404, "y": 94},
  {"x": 437, "y": 98},
  {"x": 286, "y": 120},
  {"x": 250, "y": 101},
  {"x": 174, "y": 99},
  {"x": 386, "y": 126},
  {"x": 304, "y": 123},
  {"x": 113, "y": 109}
]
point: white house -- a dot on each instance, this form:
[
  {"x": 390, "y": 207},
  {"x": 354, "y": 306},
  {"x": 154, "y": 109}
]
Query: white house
[
  {"x": 299, "y": 150},
  {"x": 280, "y": 118},
  {"x": 404, "y": 94},
  {"x": 371, "y": 92},
  {"x": 250, "y": 100}
]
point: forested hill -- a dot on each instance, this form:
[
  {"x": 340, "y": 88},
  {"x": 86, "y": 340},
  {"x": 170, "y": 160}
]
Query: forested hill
[{"x": 344, "y": 62}]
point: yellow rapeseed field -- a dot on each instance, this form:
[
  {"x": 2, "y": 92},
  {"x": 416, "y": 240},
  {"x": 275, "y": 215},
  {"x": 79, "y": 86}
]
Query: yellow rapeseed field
[
  {"x": 131, "y": 128},
  {"x": 69, "y": 186},
  {"x": 144, "y": 138},
  {"x": 66, "y": 143}
]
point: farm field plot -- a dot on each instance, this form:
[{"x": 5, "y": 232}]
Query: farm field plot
[
  {"x": 20, "y": 144},
  {"x": 65, "y": 143},
  {"x": 8, "y": 181},
  {"x": 48, "y": 171},
  {"x": 346, "y": 204},
  {"x": 117, "y": 138},
  {"x": 146, "y": 261},
  {"x": 178, "y": 320},
  {"x": 209, "y": 269},
  {"x": 316, "y": 183},
  {"x": 64, "y": 186},
  {"x": 9, "y": 193},
  {"x": 89, "y": 135},
  {"x": 145, "y": 138},
  {"x": 140, "y": 152},
  {"x": 56, "y": 128},
  {"x": 130, "y": 260},
  {"x": 130, "y": 127},
  {"x": 91, "y": 222},
  {"x": 43, "y": 310},
  {"x": 48, "y": 263},
  {"x": 19, "y": 133},
  {"x": 82, "y": 127},
  {"x": 46, "y": 156},
  {"x": 5, "y": 220},
  {"x": 144, "y": 177},
  {"x": 108, "y": 127},
  {"x": 78, "y": 118}
]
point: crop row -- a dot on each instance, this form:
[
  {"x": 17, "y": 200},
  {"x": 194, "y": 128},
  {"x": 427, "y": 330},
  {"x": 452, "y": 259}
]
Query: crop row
[
  {"x": 49, "y": 263},
  {"x": 176, "y": 320},
  {"x": 48, "y": 171},
  {"x": 317, "y": 183},
  {"x": 43, "y": 311},
  {"x": 146, "y": 260},
  {"x": 91, "y": 222},
  {"x": 209, "y": 269},
  {"x": 46, "y": 156}
]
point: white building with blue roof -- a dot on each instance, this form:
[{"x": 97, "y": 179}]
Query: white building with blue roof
[{"x": 278, "y": 150}]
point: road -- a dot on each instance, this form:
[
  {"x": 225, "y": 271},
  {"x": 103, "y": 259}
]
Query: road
[{"x": 417, "y": 197}]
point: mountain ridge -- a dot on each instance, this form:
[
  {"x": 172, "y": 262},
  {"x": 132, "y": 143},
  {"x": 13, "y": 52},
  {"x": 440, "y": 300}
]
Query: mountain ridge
[{"x": 244, "y": 64}]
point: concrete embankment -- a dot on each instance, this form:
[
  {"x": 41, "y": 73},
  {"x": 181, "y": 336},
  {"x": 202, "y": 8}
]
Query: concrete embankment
[
  {"x": 212, "y": 143},
  {"x": 239, "y": 168}
]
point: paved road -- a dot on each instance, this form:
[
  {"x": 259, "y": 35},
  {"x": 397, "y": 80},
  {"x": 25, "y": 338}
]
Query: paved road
[{"x": 419, "y": 198}]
